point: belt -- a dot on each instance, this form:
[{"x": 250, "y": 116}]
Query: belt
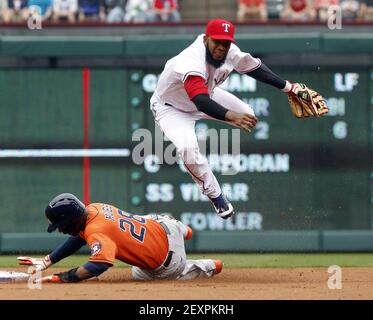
[
  {"x": 168, "y": 259},
  {"x": 170, "y": 253}
]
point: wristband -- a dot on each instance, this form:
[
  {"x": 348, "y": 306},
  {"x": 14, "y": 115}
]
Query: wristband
[
  {"x": 69, "y": 276},
  {"x": 288, "y": 87}
]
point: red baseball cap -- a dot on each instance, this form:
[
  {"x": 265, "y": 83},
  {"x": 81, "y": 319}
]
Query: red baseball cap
[{"x": 220, "y": 29}]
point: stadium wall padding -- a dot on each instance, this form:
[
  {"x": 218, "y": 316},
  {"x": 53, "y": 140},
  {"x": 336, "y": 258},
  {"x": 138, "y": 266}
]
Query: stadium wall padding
[
  {"x": 140, "y": 46},
  {"x": 210, "y": 241}
]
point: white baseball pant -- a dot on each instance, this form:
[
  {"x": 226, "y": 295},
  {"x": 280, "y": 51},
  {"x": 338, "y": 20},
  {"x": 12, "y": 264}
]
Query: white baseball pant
[
  {"x": 179, "y": 267},
  {"x": 179, "y": 127}
]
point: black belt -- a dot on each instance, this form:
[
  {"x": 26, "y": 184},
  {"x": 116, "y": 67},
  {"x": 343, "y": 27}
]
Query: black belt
[
  {"x": 168, "y": 259},
  {"x": 170, "y": 253}
]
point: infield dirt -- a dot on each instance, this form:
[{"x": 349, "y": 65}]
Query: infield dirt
[{"x": 231, "y": 284}]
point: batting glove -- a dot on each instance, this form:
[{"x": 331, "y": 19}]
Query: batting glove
[
  {"x": 39, "y": 264},
  {"x": 49, "y": 279},
  {"x": 62, "y": 277}
]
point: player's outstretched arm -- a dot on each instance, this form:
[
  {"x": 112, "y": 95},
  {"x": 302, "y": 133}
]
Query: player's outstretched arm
[
  {"x": 304, "y": 102},
  {"x": 89, "y": 270},
  {"x": 266, "y": 75},
  {"x": 67, "y": 248}
]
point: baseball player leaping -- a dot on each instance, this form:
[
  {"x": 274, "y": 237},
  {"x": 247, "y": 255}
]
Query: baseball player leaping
[
  {"x": 152, "y": 244},
  {"x": 188, "y": 90}
]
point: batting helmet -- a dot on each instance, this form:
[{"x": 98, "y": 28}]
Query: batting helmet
[{"x": 65, "y": 212}]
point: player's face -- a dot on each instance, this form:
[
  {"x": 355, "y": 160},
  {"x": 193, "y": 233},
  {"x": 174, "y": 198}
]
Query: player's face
[
  {"x": 218, "y": 48},
  {"x": 73, "y": 228},
  {"x": 73, "y": 231}
]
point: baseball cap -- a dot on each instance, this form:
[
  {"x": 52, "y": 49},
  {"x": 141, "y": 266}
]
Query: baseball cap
[{"x": 220, "y": 29}]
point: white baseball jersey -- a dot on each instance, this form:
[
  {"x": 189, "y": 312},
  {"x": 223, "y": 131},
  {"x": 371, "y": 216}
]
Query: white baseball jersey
[{"x": 192, "y": 61}]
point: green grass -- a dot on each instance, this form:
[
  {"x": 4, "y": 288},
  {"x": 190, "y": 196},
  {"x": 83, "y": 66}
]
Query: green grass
[{"x": 249, "y": 260}]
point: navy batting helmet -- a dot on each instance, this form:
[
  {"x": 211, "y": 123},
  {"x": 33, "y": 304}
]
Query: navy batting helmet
[{"x": 65, "y": 212}]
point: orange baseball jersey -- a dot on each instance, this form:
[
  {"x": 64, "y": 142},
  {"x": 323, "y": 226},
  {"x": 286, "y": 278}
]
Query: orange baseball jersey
[{"x": 113, "y": 234}]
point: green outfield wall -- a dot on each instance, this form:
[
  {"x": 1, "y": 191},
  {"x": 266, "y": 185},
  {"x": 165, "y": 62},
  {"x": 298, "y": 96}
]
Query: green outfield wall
[
  {"x": 209, "y": 241},
  {"x": 166, "y": 45}
]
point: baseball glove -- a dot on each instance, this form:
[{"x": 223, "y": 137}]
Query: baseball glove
[{"x": 305, "y": 102}]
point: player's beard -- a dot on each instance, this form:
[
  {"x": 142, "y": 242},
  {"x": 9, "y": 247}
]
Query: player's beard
[{"x": 212, "y": 61}]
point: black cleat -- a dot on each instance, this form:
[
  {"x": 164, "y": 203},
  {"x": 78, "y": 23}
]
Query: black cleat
[{"x": 222, "y": 206}]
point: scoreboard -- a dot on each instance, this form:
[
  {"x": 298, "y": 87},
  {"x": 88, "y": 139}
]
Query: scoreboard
[{"x": 288, "y": 173}]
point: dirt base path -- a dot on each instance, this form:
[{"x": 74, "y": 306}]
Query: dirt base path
[{"x": 231, "y": 284}]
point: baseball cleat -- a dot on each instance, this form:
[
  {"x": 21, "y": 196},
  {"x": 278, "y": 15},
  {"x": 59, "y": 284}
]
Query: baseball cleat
[
  {"x": 222, "y": 206},
  {"x": 189, "y": 233},
  {"x": 218, "y": 266}
]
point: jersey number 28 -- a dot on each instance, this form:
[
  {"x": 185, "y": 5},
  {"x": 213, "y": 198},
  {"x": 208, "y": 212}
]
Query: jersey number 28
[{"x": 127, "y": 220}]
